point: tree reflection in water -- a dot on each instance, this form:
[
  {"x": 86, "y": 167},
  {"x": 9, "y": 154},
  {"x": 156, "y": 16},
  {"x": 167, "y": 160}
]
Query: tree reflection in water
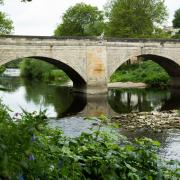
[
  {"x": 65, "y": 102},
  {"x": 137, "y": 100}
]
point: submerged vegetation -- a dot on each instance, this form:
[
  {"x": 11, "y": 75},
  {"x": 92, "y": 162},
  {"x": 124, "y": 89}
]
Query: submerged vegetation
[
  {"x": 145, "y": 71},
  {"x": 32, "y": 150}
]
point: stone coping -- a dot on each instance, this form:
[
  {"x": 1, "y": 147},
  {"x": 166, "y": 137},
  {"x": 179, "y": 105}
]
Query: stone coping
[{"x": 94, "y": 38}]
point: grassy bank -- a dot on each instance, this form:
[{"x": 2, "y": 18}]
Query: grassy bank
[
  {"x": 147, "y": 72},
  {"x": 40, "y": 70},
  {"x": 32, "y": 150}
]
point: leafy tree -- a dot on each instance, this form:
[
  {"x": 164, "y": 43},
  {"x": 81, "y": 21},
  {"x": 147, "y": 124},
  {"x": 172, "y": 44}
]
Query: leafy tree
[
  {"x": 81, "y": 20},
  {"x": 134, "y": 18},
  {"x": 6, "y": 25},
  {"x": 176, "y": 20}
]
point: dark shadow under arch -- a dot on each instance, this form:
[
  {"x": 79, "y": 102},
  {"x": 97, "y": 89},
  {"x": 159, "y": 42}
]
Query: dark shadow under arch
[
  {"x": 171, "y": 67},
  {"x": 78, "y": 80},
  {"x": 77, "y": 106}
]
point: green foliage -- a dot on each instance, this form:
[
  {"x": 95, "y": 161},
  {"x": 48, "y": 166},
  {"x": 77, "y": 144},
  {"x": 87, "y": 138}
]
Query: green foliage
[
  {"x": 56, "y": 75},
  {"x": 147, "y": 72},
  {"x": 6, "y": 25},
  {"x": 34, "y": 69},
  {"x": 40, "y": 70},
  {"x": 160, "y": 33},
  {"x": 2, "y": 69},
  {"x": 13, "y": 64},
  {"x": 177, "y": 35},
  {"x": 81, "y": 20},
  {"x": 176, "y": 20},
  {"x": 31, "y": 150},
  {"x": 134, "y": 18}
]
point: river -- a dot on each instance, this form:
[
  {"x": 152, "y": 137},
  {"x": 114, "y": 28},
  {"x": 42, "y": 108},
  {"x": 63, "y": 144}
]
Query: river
[{"x": 67, "y": 109}]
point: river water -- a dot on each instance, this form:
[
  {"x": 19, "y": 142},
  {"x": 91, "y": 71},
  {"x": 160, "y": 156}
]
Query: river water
[{"x": 67, "y": 109}]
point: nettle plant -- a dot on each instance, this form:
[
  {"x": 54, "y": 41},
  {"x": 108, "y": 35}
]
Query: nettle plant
[{"x": 29, "y": 149}]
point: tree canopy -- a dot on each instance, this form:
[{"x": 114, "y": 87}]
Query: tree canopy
[
  {"x": 6, "y": 24},
  {"x": 176, "y": 20},
  {"x": 134, "y": 18},
  {"x": 81, "y": 20}
]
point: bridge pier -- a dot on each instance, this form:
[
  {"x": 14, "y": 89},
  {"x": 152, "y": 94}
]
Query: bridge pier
[
  {"x": 96, "y": 89},
  {"x": 96, "y": 58},
  {"x": 91, "y": 89}
]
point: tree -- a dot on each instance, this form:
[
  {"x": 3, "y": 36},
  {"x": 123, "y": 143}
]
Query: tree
[
  {"x": 176, "y": 20},
  {"x": 6, "y": 25},
  {"x": 134, "y": 18},
  {"x": 81, "y": 20}
]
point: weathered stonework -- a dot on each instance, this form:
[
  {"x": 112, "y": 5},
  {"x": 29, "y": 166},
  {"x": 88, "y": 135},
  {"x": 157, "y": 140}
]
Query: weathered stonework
[{"x": 91, "y": 62}]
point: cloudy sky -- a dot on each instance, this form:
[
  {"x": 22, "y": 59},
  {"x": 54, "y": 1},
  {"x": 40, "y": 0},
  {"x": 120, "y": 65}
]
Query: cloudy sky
[{"x": 40, "y": 17}]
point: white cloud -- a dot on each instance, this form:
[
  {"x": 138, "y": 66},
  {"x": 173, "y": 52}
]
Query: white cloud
[{"x": 40, "y": 17}]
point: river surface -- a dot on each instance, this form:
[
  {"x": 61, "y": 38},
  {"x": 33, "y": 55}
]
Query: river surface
[{"x": 67, "y": 109}]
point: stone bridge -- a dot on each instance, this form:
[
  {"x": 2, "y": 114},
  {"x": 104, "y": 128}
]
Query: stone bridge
[{"x": 90, "y": 62}]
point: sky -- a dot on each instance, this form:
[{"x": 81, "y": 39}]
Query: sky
[{"x": 40, "y": 17}]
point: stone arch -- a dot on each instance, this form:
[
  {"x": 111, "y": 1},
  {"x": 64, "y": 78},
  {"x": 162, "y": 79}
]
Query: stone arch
[
  {"x": 170, "y": 66},
  {"x": 78, "y": 81}
]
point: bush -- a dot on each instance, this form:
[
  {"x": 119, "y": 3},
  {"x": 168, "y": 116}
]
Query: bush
[
  {"x": 34, "y": 68},
  {"x": 32, "y": 150},
  {"x": 40, "y": 70},
  {"x": 56, "y": 76},
  {"x": 2, "y": 69},
  {"x": 147, "y": 72},
  {"x": 13, "y": 64}
]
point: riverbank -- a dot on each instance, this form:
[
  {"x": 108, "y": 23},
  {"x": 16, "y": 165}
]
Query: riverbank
[
  {"x": 151, "y": 120},
  {"x": 127, "y": 85}
]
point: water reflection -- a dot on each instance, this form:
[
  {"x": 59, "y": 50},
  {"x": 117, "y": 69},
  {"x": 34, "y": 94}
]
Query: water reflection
[
  {"x": 61, "y": 101},
  {"x": 31, "y": 95},
  {"x": 143, "y": 100}
]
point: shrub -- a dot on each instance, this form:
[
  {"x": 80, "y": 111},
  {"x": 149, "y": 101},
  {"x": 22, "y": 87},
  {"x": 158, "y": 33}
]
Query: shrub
[
  {"x": 35, "y": 69},
  {"x": 40, "y": 70},
  {"x": 56, "y": 76},
  {"x": 147, "y": 72},
  {"x": 32, "y": 150},
  {"x": 2, "y": 69}
]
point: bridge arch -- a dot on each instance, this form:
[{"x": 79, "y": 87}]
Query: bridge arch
[
  {"x": 78, "y": 81},
  {"x": 171, "y": 66}
]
